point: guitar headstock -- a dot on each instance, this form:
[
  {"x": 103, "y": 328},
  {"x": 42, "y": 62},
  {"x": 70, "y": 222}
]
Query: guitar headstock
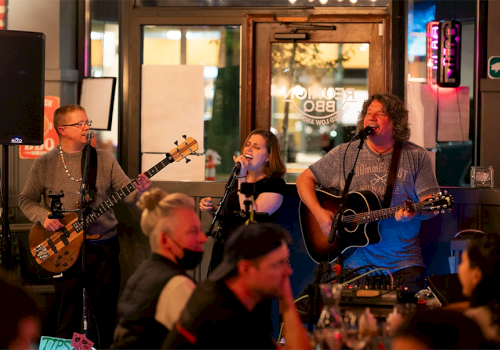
[
  {"x": 185, "y": 148},
  {"x": 440, "y": 202}
]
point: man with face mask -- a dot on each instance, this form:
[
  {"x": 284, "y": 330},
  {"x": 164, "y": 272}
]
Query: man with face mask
[{"x": 159, "y": 289}]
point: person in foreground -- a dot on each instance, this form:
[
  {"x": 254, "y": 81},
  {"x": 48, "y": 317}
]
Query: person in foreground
[
  {"x": 159, "y": 289},
  {"x": 479, "y": 273},
  {"x": 19, "y": 318},
  {"x": 399, "y": 250},
  {"x": 61, "y": 170},
  {"x": 261, "y": 165},
  {"x": 225, "y": 311},
  {"x": 438, "y": 329}
]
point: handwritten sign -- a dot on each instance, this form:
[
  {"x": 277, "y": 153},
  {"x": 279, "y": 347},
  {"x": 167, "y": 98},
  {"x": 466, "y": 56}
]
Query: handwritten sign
[
  {"x": 51, "y": 343},
  {"x": 79, "y": 342}
]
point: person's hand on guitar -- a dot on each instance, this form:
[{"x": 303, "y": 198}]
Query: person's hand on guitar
[
  {"x": 142, "y": 183},
  {"x": 404, "y": 215},
  {"x": 52, "y": 225},
  {"x": 324, "y": 218}
]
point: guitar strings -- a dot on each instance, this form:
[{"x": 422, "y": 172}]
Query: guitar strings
[{"x": 382, "y": 213}]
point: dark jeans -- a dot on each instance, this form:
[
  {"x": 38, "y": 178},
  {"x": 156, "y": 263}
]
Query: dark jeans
[{"x": 102, "y": 288}]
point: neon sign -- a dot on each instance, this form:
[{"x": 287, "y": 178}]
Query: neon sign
[
  {"x": 448, "y": 72},
  {"x": 432, "y": 34}
]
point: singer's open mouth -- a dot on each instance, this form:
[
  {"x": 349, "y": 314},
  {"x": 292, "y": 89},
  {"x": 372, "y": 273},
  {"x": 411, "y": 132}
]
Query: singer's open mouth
[{"x": 247, "y": 156}]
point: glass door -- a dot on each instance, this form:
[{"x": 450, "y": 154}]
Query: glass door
[{"x": 310, "y": 87}]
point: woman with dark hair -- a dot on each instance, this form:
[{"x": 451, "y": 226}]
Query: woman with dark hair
[
  {"x": 262, "y": 166},
  {"x": 479, "y": 273}
]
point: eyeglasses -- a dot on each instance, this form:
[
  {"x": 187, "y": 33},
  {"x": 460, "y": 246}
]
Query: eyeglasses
[{"x": 80, "y": 124}]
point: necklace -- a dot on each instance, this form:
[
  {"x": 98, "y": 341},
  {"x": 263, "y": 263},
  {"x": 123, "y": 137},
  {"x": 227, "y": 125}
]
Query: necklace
[
  {"x": 380, "y": 156},
  {"x": 65, "y": 168}
]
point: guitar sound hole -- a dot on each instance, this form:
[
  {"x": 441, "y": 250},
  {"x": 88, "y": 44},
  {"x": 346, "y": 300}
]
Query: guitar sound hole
[{"x": 349, "y": 216}]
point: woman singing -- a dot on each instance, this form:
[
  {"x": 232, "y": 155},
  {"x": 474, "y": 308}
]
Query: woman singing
[{"x": 261, "y": 165}]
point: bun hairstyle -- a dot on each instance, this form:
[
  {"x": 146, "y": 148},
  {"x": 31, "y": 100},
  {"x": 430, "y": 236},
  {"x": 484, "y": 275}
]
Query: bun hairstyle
[
  {"x": 157, "y": 205},
  {"x": 150, "y": 199}
]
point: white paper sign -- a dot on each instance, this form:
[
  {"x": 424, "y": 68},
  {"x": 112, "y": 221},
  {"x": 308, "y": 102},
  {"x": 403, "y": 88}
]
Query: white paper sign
[
  {"x": 97, "y": 98},
  {"x": 172, "y": 105},
  {"x": 421, "y": 103}
]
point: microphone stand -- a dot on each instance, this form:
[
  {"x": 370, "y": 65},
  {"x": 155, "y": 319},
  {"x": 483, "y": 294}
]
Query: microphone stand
[
  {"x": 216, "y": 235},
  {"x": 83, "y": 212},
  {"x": 314, "y": 290},
  {"x": 334, "y": 233}
]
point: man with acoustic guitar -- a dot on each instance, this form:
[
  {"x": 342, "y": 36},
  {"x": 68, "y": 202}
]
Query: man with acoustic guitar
[
  {"x": 399, "y": 248},
  {"x": 61, "y": 170}
]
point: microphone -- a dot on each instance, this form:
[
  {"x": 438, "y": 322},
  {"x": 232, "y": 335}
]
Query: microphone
[
  {"x": 236, "y": 168},
  {"x": 89, "y": 135},
  {"x": 363, "y": 133}
]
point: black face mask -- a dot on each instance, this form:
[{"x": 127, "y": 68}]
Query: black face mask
[{"x": 191, "y": 258}]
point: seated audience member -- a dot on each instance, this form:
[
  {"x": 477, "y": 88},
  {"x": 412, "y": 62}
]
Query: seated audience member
[
  {"x": 159, "y": 289},
  {"x": 479, "y": 274},
  {"x": 19, "y": 323},
  {"x": 438, "y": 329},
  {"x": 226, "y": 310}
]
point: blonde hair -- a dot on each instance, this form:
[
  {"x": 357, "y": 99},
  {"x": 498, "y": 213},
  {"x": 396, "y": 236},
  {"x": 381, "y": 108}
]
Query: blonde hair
[
  {"x": 62, "y": 112},
  {"x": 158, "y": 205}
]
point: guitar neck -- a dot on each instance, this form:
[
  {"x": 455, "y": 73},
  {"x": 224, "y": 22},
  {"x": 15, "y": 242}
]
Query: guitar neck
[
  {"x": 375, "y": 215},
  {"x": 125, "y": 191}
]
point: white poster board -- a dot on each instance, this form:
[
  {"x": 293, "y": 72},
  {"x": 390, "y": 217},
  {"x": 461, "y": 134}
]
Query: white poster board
[
  {"x": 453, "y": 114},
  {"x": 421, "y": 103},
  {"x": 97, "y": 98},
  {"x": 172, "y": 104},
  {"x": 437, "y": 114}
]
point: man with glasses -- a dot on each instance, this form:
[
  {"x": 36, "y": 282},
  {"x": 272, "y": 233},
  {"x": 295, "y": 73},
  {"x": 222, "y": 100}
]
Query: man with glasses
[{"x": 61, "y": 170}]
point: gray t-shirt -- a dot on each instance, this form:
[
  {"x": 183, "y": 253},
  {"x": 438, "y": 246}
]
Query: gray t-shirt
[{"x": 400, "y": 246}]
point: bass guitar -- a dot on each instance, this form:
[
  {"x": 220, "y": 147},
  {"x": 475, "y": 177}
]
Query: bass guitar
[
  {"x": 360, "y": 220},
  {"x": 58, "y": 251}
]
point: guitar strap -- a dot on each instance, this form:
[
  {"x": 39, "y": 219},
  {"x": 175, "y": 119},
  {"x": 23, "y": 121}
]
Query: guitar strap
[
  {"x": 392, "y": 176},
  {"x": 92, "y": 173}
]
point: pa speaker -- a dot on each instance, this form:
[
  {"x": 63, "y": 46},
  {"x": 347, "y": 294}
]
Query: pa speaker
[{"x": 22, "y": 78}]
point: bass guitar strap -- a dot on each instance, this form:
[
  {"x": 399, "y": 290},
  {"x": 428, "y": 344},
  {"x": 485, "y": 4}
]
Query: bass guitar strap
[
  {"x": 92, "y": 173},
  {"x": 392, "y": 176}
]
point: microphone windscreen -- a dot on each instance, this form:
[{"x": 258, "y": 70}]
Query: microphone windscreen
[{"x": 90, "y": 135}]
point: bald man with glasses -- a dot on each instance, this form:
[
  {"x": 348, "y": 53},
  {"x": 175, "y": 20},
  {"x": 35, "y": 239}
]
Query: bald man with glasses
[{"x": 61, "y": 170}]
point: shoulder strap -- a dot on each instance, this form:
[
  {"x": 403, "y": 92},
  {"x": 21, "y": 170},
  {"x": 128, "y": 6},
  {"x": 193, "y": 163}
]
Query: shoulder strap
[
  {"x": 391, "y": 178},
  {"x": 92, "y": 174}
]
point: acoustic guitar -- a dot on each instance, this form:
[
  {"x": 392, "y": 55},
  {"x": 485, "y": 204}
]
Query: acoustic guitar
[
  {"x": 58, "y": 251},
  {"x": 359, "y": 223}
]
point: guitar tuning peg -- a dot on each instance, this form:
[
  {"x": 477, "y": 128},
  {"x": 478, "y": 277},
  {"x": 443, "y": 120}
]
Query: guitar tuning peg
[
  {"x": 184, "y": 137},
  {"x": 176, "y": 143},
  {"x": 188, "y": 160}
]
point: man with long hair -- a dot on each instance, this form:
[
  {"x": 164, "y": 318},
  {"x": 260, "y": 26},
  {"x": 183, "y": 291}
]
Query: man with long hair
[{"x": 399, "y": 250}]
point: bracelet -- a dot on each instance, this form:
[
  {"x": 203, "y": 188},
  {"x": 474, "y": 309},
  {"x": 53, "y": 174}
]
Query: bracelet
[{"x": 241, "y": 177}]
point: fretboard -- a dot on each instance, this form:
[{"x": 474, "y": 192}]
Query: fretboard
[
  {"x": 375, "y": 215},
  {"x": 124, "y": 192}
]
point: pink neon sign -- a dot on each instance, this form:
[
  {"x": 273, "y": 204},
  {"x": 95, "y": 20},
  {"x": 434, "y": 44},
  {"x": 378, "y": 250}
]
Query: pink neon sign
[{"x": 432, "y": 34}]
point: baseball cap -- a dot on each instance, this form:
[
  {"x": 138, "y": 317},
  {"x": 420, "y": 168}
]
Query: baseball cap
[{"x": 249, "y": 242}]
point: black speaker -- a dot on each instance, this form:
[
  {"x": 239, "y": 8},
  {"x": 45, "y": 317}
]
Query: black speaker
[{"x": 22, "y": 78}]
